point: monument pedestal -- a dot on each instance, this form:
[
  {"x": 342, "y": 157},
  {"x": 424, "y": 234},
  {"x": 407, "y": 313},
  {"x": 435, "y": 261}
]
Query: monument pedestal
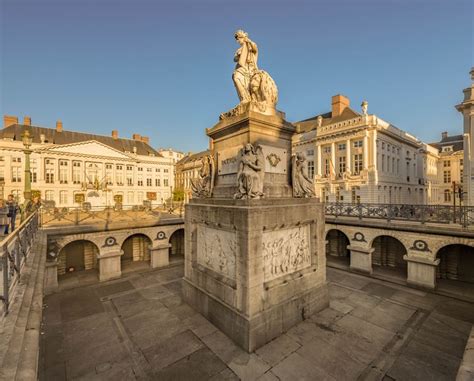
[{"x": 255, "y": 268}]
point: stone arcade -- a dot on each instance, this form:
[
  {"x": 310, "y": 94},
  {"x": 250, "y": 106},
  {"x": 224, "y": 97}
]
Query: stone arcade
[{"x": 255, "y": 251}]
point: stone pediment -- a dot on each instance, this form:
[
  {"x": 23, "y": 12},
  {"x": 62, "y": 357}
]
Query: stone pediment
[{"x": 88, "y": 148}]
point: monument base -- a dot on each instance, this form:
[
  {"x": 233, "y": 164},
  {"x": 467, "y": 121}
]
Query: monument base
[{"x": 255, "y": 268}]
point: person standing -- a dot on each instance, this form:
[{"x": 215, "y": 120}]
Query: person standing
[
  {"x": 3, "y": 217},
  {"x": 12, "y": 211}
]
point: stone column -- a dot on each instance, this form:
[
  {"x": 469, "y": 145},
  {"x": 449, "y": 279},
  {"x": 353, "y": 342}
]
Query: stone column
[
  {"x": 160, "y": 255},
  {"x": 374, "y": 150},
  {"x": 421, "y": 270},
  {"x": 109, "y": 264},
  {"x": 366, "y": 151},
  {"x": 348, "y": 156},
  {"x": 51, "y": 276},
  {"x": 333, "y": 157},
  {"x": 320, "y": 164},
  {"x": 361, "y": 258}
]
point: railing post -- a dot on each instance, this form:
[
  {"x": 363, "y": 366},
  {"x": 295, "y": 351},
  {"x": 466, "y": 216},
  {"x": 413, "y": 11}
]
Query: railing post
[
  {"x": 423, "y": 212},
  {"x": 76, "y": 221},
  {"x": 5, "y": 294},
  {"x": 359, "y": 207}
]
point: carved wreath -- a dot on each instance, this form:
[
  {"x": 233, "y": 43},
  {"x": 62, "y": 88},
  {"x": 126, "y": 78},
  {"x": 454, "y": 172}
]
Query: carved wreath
[{"x": 273, "y": 159}]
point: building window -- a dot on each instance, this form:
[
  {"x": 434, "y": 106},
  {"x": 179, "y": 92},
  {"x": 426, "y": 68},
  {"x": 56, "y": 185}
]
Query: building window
[
  {"x": 447, "y": 177},
  {"x": 129, "y": 168},
  {"x": 341, "y": 146},
  {"x": 129, "y": 179},
  {"x": 165, "y": 170},
  {"x": 446, "y": 163},
  {"x": 49, "y": 195},
  {"x": 383, "y": 163},
  {"x": 16, "y": 174},
  {"x": 33, "y": 173},
  {"x": 310, "y": 152},
  {"x": 355, "y": 196},
  {"x": 165, "y": 182},
  {"x": 447, "y": 195},
  {"x": 357, "y": 163},
  {"x": 63, "y": 197},
  {"x": 76, "y": 172},
  {"x": 49, "y": 176},
  {"x": 383, "y": 145},
  {"x": 148, "y": 182},
  {"x": 310, "y": 169},
  {"x": 140, "y": 180},
  {"x": 149, "y": 169},
  {"x": 16, "y": 159},
  {"x": 358, "y": 143},
  {"x": 461, "y": 175},
  {"x": 342, "y": 164},
  {"x": 63, "y": 170},
  {"x": 327, "y": 149},
  {"x": 92, "y": 173},
  {"x": 140, "y": 169},
  {"x": 157, "y": 182},
  {"x": 326, "y": 167}
]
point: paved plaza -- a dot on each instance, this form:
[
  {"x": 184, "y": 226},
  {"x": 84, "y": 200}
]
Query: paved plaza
[{"x": 138, "y": 327}]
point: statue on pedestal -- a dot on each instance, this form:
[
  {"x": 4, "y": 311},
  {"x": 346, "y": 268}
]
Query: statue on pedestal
[
  {"x": 202, "y": 186},
  {"x": 255, "y": 88},
  {"x": 251, "y": 172},
  {"x": 302, "y": 184}
]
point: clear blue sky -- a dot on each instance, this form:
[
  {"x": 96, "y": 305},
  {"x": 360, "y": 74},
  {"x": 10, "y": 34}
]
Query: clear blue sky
[{"x": 163, "y": 68}]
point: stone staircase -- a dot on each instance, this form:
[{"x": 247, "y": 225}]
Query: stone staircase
[{"x": 20, "y": 329}]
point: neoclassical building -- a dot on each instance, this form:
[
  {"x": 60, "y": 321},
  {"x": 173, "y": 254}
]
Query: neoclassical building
[
  {"x": 71, "y": 168},
  {"x": 359, "y": 157}
]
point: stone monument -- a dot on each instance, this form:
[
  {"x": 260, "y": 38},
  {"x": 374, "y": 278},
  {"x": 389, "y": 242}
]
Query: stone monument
[{"x": 255, "y": 260}]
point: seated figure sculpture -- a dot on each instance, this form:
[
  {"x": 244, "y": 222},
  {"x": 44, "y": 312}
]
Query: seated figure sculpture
[
  {"x": 251, "y": 173},
  {"x": 302, "y": 184},
  {"x": 255, "y": 88},
  {"x": 202, "y": 186}
]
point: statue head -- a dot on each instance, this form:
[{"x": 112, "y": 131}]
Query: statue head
[
  {"x": 240, "y": 36},
  {"x": 248, "y": 148}
]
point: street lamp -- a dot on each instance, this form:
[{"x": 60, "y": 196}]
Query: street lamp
[{"x": 27, "y": 140}]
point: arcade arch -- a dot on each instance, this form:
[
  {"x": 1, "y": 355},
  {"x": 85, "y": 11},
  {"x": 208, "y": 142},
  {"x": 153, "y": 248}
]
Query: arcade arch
[
  {"x": 388, "y": 254},
  {"x": 76, "y": 256}
]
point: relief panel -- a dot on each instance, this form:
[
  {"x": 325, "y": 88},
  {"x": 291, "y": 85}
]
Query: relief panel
[
  {"x": 216, "y": 250},
  {"x": 286, "y": 251}
]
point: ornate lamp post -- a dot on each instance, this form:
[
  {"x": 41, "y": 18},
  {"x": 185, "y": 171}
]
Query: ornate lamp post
[{"x": 27, "y": 140}]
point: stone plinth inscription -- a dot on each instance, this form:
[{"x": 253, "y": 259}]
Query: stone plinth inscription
[
  {"x": 286, "y": 251},
  {"x": 228, "y": 161},
  {"x": 216, "y": 250}
]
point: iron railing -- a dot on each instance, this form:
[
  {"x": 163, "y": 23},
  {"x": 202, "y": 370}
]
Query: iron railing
[
  {"x": 441, "y": 214},
  {"x": 14, "y": 250},
  {"x": 106, "y": 215}
]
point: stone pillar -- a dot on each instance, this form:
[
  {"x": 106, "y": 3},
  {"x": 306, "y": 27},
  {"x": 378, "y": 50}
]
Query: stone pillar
[
  {"x": 109, "y": 264},
  {"x": 374, "y": 150},
  {"x": 361, "y": 258},
  {"x": 421, "y": 270},
  {"x": 366, "y": 151},
  {"x": 348, "y": 156},
  {"x": 51, "y": 276},
  {"x": 333, "y": 157},
  {"x": 160, "y": 255},
  {"x": 320, "y": 164}
]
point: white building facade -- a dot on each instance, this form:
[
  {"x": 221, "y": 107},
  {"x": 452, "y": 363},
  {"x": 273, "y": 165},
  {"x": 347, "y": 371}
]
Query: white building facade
[{"x": 72, "y": 168}]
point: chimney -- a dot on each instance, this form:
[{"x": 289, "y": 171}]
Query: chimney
[
  {"x": 146, "y": 139},
  {"x": 27, "y": 121},
  {"x": 115, "y": 134},
  {"x": 136, "y": 137},
  {"x": 444, "y": 135},
  {"x": 8, "y": 120},
  {"x": 59, "y": 126},
  {"x": 339, "y": 104}
]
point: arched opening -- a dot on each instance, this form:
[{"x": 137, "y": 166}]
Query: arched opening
[
  {"x": 387, "y": 257},
  {"x": 136, "y": 252},
  {"x": 337, "y": 252},
  {"x": 78, "y": 258},
  {"x": 456, "y": 264},
  {"x": 177, "y": 246}
]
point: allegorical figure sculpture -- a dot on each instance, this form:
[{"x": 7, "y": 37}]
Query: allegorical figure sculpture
[
  {"x": 255, "y": 88},
  {"x": 251, "y": 172},
  {"x": 203, "y": 186},
  {"x": 302, "y": 184}
]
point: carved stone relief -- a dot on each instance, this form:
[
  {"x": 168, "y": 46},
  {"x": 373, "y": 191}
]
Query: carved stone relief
[
  {"x": 216, "y": 250},
  {"x": 286, "y": 251}
]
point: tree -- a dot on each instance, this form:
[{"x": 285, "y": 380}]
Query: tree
[{"x": 178, "y": 195}]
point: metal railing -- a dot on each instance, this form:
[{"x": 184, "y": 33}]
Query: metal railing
[
  {"x": 14, "y": 250},
  {"x": 441, "y": 214},
  {"x": 105, "y": 215}
]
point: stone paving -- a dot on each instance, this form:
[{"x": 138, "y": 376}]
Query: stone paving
[{"x": 138, "y": 328}]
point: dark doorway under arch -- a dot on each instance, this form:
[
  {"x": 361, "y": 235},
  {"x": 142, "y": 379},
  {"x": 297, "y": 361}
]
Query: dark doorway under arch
[
  {"x": 336, "y": 248},
  {"x": 176, "y": 251},
  {"x": 388, "y": 256},
  {"x": 136, "y": 251},
  {"x": 456, "y": 263},
  {"x": 77, "y": 256}
]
